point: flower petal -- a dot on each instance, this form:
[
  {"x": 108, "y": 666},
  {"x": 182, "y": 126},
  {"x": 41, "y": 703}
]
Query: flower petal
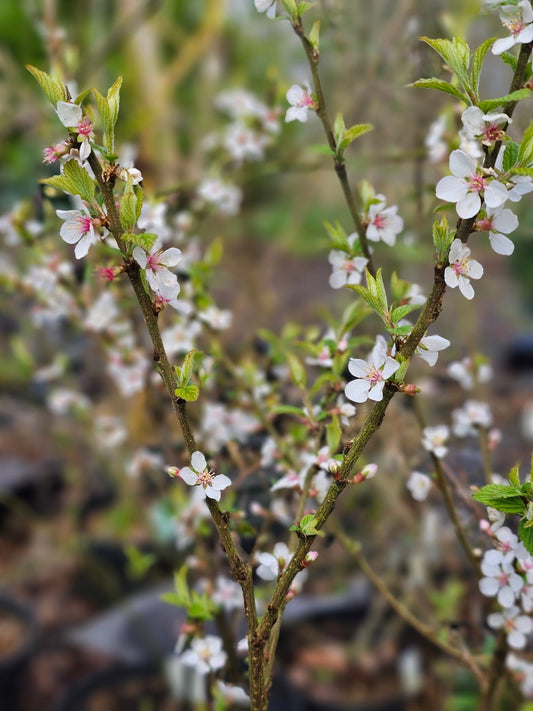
[{"x": 198, "y": 461}]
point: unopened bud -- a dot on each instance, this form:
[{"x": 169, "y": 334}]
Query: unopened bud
[
  {"x": 173, "y": 472},
  {"x": 310, "y": 558},
  {"x": 410, "y": 389}
]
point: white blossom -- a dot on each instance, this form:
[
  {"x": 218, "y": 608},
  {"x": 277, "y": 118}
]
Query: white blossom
[
  {"x": 200, "y": 475},
  {"x": 371, "y": 374},
  {"x": 518, "y": 19},
  {"x": 268, "y": 6},
  {"x": 462, "y": 268},
  {"x": 271, "y": 565},
  {"x": 466, "y": 185},
  {"x": 205, "y": 654},
  {"x": 419, "y": 485},
  {"x": 384, "y": 223},
  {"x": 301, "y": 100},
  {"x": 434, "y": 439},
  {"x": 517, "y": 626}
]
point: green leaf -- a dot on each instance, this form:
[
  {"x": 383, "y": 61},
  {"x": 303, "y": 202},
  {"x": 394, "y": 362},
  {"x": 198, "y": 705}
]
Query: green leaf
[
  {"x": 477, "y": 62},
  {"x": 181, "y": 597},
  {"x": 402, "y": 311},
  {"x": 313, "y": 36},
  {"x": 108, "y": 109},
  {"x": 350, "y": 134},
  {"x": 74, "y": 180},
  {"x": 333, "y": 434},
  {"x": 297, "y": 370},
  {"x": 140, "y": 198},
  {"x": 303, "y": 7},
  {"x": 456, "y": 54},
  {"x": 525, "y": 151},
  {"x": 201, "y": 607},
  {"x": 502, "y": 497},
  {"x": 338, "y": 236},
  {"x": 338, "y": 127},
  {"x": 509, "y": 59},
  {"x": 441, "y": 85},
  {"x": 128, "y": 210},
  {"x": 54, "y": 90},
  {"x": 288, "y": 410},
  {"x": 214, "y": 252},
  {"x": 146, "y": 240},
  {"x": 525, "y": 534},
  {"x": 371, "y": 300},
  {"x": 517, "y": 95},
  {"x": 510, "y": 155},
  {"x": 188, "y": 392},
  {"x": 495, "y": 491},
  {"x": 184, "y": 373},
  {"x": 514, "y": 477},
  {"x": 308, "y": 526},
  {"x": 352, "y": 316},
  {"x": 138, "y": 562},
  {"x": 442, "y": 238}
]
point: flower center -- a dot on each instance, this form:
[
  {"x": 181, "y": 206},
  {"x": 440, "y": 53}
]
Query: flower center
[
  {"x": 379, "y": 222},
  {"x": 460, "y": 266},
  {"x": 205, "y": 478},
  {"x": 477, "y": 183},
  {"x": 493, "y": 133},
  {"x": 374, "y": 375},
  {"x": 153, "y": 262},
  {"x": 514, "y": 24},
  {"x": 85, "y": 127},
  {"x": 84, "y": 224}
]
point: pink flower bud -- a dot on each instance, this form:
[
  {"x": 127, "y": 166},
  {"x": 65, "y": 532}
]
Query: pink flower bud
[{"x": 173, "y": 472}]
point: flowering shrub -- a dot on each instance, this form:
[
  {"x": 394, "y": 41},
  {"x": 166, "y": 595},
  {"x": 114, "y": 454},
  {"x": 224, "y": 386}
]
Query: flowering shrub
[{"x": 313, "y": 440}]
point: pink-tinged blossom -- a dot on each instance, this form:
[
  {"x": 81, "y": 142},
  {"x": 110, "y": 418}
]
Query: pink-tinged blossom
[
  {"x": 384, "y": 223},
  {"x": 78, "y": 229},
  {"x": 72, "y": 117},
  {"x": 200, "y": 475},
  {"x": 488, "y": 128},
  {"x": 499, "y": 222},
  {"x": 205, "y": 654},
  {"x": 345, "y": 269},
  {"x": 500, "y": 579},
  {"x": 516, "y": 626},
  {"x": 518, "y": 20},
  {"x": 462, "y": 268},
  {"x": 271, "y": 565},
  {"x": 301, "y": 100},
  {"x": 156, "y": 266},
  {"x": 434, "y": 440},
  {"x": 371, "y": 374},
  {"x": 467, "y": 184},
  {"x": 53, "y": 153},
  {"x": 268, "y": 6},
  {"x": 419, "y": 485}
]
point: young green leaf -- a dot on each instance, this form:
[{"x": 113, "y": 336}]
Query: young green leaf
[
  {"x": 74, "y": 180},
  {"x": 54, "y": 90},
  {"x": 189, "y": 392},
  {"x": 490, "y": 104},
  {"x": 441, "y": 85},
  {"x": 477, "y": 62},
  {"x": 146, "y": 240}
]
